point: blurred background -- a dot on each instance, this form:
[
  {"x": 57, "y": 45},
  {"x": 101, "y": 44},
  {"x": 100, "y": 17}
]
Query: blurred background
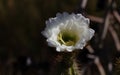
[{"x": 24, "y": 50}]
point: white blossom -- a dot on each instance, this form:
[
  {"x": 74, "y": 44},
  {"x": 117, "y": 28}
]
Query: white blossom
[{"x": 68, "y": 32}]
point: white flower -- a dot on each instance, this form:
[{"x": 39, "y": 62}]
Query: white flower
[{"x": 68, "y": 32}]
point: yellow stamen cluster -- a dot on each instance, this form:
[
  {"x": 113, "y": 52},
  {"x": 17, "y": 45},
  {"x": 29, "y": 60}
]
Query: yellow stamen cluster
[{"x": 67, "y": 38}]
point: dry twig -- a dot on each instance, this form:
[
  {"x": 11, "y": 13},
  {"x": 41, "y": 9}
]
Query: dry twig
[
  {"x": 90, "y": 49},
  {"x": 95, "y": 19},
  {"x": 117, "y": 16},
  {"x": 98, "y": 64},
  {"x": 115, "y": 37},
  {"x": 96, "y": 60},
  {"x": 106, "y": 25},
  {"x": 83, "y": 3}
]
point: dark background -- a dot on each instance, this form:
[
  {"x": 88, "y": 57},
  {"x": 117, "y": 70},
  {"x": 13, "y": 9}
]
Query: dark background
[{"x": 21, "y": 23}]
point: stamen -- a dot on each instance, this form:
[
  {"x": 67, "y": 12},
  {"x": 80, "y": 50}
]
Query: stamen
[
  {"x": 67, "y": 38},
  {"x": 60, "y": 38}
]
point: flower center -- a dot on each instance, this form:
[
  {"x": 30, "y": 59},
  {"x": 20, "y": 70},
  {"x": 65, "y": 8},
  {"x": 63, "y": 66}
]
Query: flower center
[{"x": 67, "y": 37}]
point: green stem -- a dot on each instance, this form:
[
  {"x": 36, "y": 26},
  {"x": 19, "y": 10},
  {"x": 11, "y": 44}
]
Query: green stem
[
  {"x": 68, "y": 64},
  {"x": 72, "y": 71}
]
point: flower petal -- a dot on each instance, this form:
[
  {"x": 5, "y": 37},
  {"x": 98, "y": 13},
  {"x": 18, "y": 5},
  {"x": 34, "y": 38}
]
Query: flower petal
[{"x": 74, "y": 27}]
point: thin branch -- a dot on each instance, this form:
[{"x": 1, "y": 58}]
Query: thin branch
[
  {"x": 83, "y": 4},
  {"x": 106, "y": 25},
  {"x": 115, "y": 37},
  {"x": 109, "y": 2},
  {"x": 98, "y": 64},
  {"x": 110, "y": 67},
  {"x": 96, "y": 60},
  {"x": 95, "y": 19},
  {"x": 117, "y": 16},
  {"x": 111, "y": 5},
  {"x": 90, "y": 49}
]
